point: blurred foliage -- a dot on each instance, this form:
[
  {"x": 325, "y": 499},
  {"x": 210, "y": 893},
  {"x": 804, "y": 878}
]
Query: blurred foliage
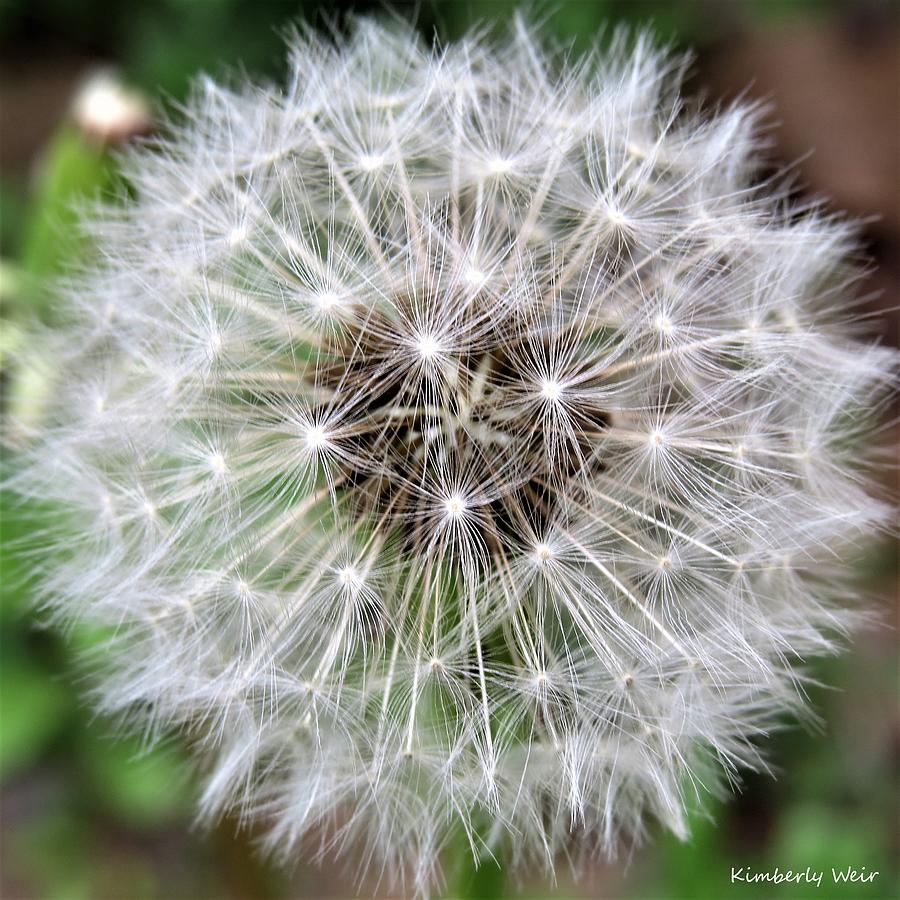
[
  {"x": 161, "y": 43},
  {"x": 73, "y": 170},
  {"x": 88, "y": 815}
]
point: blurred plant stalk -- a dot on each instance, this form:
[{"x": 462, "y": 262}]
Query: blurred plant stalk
[{"x": 76, "y": 167}]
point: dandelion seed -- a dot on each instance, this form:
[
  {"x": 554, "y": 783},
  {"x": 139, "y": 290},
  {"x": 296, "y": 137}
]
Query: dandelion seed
[
  {"x": 428, "y": 347},
  {"x": 315, "y": 438},
  {"x": 543, "y": 553},
  {"x": 349, "y": 577},
  {"x": 325, "y": 301},
  {"x": 454, "y": 506},
  {"x": 499, "y": 166},
  {"x": 663, "y": 324},
  {"x": 551, "y": 389},
  {"x": 237, "y": 235},
  {"x": 371, "y": 162},
  {"x": 217, "y": 464},
  {"x": 475, "y": 277}
]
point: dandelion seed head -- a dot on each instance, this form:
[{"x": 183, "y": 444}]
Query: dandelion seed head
[{"x": 474, "y": 438}]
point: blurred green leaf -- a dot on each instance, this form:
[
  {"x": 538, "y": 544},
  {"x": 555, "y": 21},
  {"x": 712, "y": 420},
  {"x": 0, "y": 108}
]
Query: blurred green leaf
[
  {"x": 34, "y": 709},
  {"x": 685, "y": 869},
  {"x": 12, "y": 212},
  {"x": 815, "y": 835},
  {"x": 73, "y": 168},
  {"x": 141, "y": 787}
]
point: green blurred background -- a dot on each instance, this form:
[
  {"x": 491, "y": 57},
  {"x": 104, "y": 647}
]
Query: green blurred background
[{"x": 86, "y": 814}]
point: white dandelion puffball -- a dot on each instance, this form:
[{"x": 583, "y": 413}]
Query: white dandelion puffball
[{"x": 459, "y": 439}]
